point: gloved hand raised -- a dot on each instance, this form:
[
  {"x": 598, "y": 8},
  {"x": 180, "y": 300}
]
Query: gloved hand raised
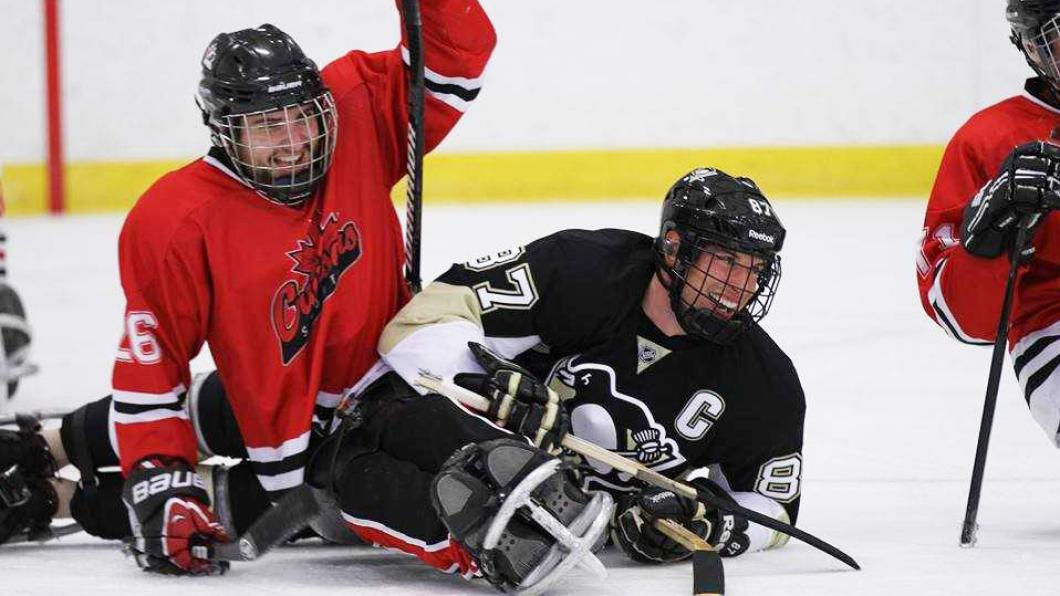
[
  {"x": 1028, "y": 184},
  {"x": 173, "y": 526},
  {"x": 518, "y": 401}
]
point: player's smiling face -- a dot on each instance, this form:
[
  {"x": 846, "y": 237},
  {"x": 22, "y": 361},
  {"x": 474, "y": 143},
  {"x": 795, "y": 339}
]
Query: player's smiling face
[
  {"x": 278, "y": 144},
  {"x": 722, "y": 281}
]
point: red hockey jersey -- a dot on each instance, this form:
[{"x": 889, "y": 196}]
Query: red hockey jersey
[
  {"x": 290, "y": 301},
  {"x": 961, "y": 292}
]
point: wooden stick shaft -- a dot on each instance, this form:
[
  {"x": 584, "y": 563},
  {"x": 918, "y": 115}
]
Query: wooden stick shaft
[
  {"x": 578, "y": 445},
  {"x": 681, "y": 535}
]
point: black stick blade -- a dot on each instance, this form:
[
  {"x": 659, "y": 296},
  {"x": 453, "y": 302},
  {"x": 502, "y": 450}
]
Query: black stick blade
[
  {"x": 287, "y": 516},
  {"x": 708, "y": 575},
  {"x": 711, "y": 500}
]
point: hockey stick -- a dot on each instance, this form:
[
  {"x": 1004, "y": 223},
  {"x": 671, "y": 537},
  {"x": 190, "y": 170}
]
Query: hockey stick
[
  {"x": 52, "y": 534},
  {"x": 643, "y": 473},
  {"x": 43, "y": 414},
  {"x": 294, "y": 511},
  {"x": 708, "y": 575},
  {"x": 414, "y": 152},
  {"x": 969, "y": 528}
]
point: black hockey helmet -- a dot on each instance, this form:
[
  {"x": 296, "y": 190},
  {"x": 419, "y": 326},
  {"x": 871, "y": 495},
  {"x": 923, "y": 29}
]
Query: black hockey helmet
[
  {"x": 269, "y": 110},
  {"x": 1036, "y": 32},
  {"x": 726, "y": 267}
]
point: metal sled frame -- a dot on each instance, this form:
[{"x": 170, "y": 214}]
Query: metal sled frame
[{"x": 573, "y": 544}]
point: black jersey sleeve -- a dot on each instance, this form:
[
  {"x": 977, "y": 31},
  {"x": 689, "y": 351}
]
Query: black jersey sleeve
[{"x": 562, "y": 292}]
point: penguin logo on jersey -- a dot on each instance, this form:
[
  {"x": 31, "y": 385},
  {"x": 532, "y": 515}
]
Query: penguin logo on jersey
[
  {"x": 613, "y": 420},
  {"x": 320, "y": 260}
]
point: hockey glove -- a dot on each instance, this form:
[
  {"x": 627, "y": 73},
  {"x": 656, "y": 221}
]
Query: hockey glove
[
  {"x": 1028, "y": 183},
  {"x": 518, "y": 401},
  {"x": 634, "y": 531},
  {"x": 173, "y": 526}
]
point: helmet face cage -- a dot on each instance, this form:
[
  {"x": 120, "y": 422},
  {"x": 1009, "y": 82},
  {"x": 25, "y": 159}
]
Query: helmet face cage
[
  {"x": 283, "y": 152},
  {"x": 1042, "y": 50},
  {"x": 718, "y": 289}
]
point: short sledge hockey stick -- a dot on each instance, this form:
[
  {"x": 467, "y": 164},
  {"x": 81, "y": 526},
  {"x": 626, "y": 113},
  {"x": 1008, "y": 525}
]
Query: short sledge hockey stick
[
  {"x": 294, "y": 511},
  {"x": 708, "y": 574},
  {"x": 38, "y": 415}
]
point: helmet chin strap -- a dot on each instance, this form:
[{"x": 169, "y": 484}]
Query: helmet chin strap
[{"x": 704, "y": 325}]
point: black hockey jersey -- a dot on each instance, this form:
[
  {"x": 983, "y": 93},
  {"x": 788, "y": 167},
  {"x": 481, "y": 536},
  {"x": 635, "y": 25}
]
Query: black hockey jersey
[{"x": 568, "y": 307}]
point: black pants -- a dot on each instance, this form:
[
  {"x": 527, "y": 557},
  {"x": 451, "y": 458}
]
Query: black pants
[
  {"x": 380, "y": 468},
  {"x": 386, "y": 465}
]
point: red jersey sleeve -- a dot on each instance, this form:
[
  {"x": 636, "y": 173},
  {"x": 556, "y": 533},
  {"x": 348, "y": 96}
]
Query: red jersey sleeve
[
  {"x": 458, "y": 39},
  {"x": 166, "y": 285},
  {"x": 959, "y": 291}
]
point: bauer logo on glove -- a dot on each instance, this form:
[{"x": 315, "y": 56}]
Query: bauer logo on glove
[{"x": 176, "y": 479}]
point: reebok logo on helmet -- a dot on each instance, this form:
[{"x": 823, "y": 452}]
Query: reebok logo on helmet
[{"x": 761, "y": 237}]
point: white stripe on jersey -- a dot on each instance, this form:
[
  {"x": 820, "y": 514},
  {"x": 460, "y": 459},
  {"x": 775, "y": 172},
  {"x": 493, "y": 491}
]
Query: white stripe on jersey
[
  {"x": 282, "y": 481},
  {"x": 1029, "y": 340},
  {"x": 1044, "y": 404},
  {"x": 451, "y": 100},
  {"x": 138, "y": 398},
  {"x": 455, "y": 101},
  {"x": 164, "y": 401},
  {"x": 430, "y": 349},
  {"x": 286, "y": 449},
  {"x": 148, "y": 416},
  {"x": 759, "y": 537},
  {"x": 467, "y": 83},
  {"x": 1044, "y": 399},
  {"x": 329, "y": 400},
  {"x": 376, "y": 371}
]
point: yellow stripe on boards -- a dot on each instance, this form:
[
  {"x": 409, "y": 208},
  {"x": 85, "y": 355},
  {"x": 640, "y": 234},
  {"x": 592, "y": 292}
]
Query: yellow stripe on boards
[
  {"x": 91, "y": 187},
  {"x": 803, "y": 172}
]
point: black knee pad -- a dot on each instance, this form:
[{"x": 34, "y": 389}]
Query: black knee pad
[
  {"x": 213, "y": 419},
  {"x": 100, "y": 510},
  {"x": 391, "y": 492},
  {"x": 85, "y": 434}
]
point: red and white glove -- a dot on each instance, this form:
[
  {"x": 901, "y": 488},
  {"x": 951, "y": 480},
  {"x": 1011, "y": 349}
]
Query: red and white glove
[{"x": 173, "y": 526}]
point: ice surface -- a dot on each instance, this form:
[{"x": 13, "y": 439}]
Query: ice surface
[{"x": 893, "y": 415}]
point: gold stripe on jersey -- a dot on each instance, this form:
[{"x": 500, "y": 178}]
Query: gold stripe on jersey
[{"x": 437, "y": 303}]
